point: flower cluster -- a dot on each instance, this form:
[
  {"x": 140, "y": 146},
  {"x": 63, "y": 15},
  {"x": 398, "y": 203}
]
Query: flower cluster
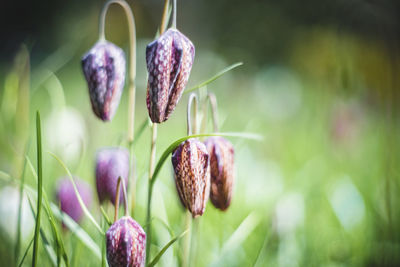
[{"x": 202, "y": 170}]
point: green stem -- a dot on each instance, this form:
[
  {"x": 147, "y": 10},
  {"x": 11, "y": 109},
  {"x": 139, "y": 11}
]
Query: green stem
[
  {"x": 132, "y": 76},
  {"x": 187, "y": 241},
  {"x": 164, "y": 19},
  {"x": 174, "y": 16},
  {"x": 153, "y": 155},
  {"x": 150, "y": 188},
  {"x": 39, "y": 199}
]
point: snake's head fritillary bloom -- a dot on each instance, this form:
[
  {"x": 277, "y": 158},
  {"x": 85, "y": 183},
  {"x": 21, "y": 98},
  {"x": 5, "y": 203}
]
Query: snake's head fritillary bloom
[
  {"x": 169, "y": 61},
  {"x": 222, "y": 154},
  {"x": 126, "y": 243},
  {"x": 192, "y": 175},
  {"x": 111, "y": 163},
  {"x": 104, "y": 69},
  {"x": 69, "y": 201}
]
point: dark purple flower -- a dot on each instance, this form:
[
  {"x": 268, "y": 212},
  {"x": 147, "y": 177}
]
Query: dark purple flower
[
  {"x": 169, "y": 61},
  {"x": 222, "y": 159},
  {"x": 111, "y": 163},
  {"x": 69, "y": 201},
  {"x": 104, "y": 70},
  {"x": 192, "y": 175},
  {"x": 126, "y": 243}
]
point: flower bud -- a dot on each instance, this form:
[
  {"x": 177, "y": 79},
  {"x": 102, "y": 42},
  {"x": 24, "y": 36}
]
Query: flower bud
[
  {"x": 221, "y": 170},
  {"x": 169, "y": 61},
  {"x": 68, "y": 200},
  {"x": 104, "y": 70},
  {"x": 126, "y": 243},
  {"x": 192, "y": 175},
  {"x": 111, "y": 163}
]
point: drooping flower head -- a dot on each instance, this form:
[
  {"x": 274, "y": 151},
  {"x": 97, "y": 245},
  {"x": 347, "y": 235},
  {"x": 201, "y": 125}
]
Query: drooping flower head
[
  {"x": 111, "y": 163},
  {"x": 69, "y": 201},
  {"x": 104, "y": 69},
  {"x": 192, "y": 175},
  {"x": 126, "y": 243},
  {"x": 169, "y": 61},
  {"x": 222, "y": 154}
]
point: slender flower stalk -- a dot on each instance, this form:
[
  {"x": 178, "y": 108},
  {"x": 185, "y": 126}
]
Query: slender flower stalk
[
  {"x": 188, "y": 218},
  {"x": 125, "y": 239},
  {"x": 213, "y": 102},
  {"x": 131, "y": 83},
  {"x": 120, "y": 180},
  {"x": 153, "y": 153}
]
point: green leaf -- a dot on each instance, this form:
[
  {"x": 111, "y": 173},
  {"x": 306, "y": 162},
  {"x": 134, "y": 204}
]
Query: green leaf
[
  {"x": 105, "y": 216},
  {"x": 164, "y": 249},
  {"x": 68, "y": 221},
  {"x": 77, "y": 230},
  {"x": 216, "y": 76},
  {"x": 39, "y": 190},
  {"x": 81, "y": 203},
  {"x": 238, "y": 237},
  {"x": 21, "y": 193},
  {"x": 50, "y": 216},
  {"x": 166, "y": 226},
  {"x": 49, "y": 250},
  {"x": 26, "y": 252},
  {"x": 175, "y": 144}
]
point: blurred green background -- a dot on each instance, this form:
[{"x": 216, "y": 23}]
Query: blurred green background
[{"x": 320, "y": 82}]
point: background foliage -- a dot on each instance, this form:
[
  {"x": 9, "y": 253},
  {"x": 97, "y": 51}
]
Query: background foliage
[{"x": 320, "y": 82}]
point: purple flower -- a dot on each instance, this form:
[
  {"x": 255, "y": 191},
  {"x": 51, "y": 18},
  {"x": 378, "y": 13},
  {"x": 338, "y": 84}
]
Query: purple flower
[
  {"x": 222, "y": 171},
  {"x": 192, "y": 175},
  {"x": 126, "y": 243},
  {"x": 169, "y": 61},
  {"x": 69, "y": 201},
  {"x": 111, "y": 163},
  {"x": 104, "y": 70}
]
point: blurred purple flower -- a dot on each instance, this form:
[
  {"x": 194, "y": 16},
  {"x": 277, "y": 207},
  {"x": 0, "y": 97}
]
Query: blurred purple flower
[
  {"x": 111, "y": 163},
  {"x": 169, "y": 61},
  {"x": 222, "y": 154},
  {"x": 104, "y": 69},
  {"x": 192, "y": 175},
  {"x": 126, "y": 243},
  {"x": 69, "y": 201}
]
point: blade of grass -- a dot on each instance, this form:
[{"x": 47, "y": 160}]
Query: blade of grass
[
  {"x": 83, "y": 206},
  {"x": 68, "y": 221},
  {"x": 239, "y": 236},
  {"x": 216, "y": 76},
  {"x": 21, "y": 193},
  {"x": 5, "y": 175},
  {"x": 50, "y": 216},
  {"x": 164, "y": 249},
  {"x": 48, "y": 248},
  {"x": 39, "y": 190},
  {"x": 175, "y": 144},
  {"x": 77, "y": 230},
  {"x": 26, "y": 252},
  {"x": 108, "y": 221}
]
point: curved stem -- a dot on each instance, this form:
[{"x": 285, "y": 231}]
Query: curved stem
[
  {"x": 132, "y": 57},
  {"x": 164, "y": 19},
  {"x": 153, "y": 156},
  {"x": 132, "y": 76},
  {"x": 192, "y": 97},
  {"x": 120, "y": 180},
  {"x": 174, "y": 16},
  {"x": 214, "y": 109}
]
